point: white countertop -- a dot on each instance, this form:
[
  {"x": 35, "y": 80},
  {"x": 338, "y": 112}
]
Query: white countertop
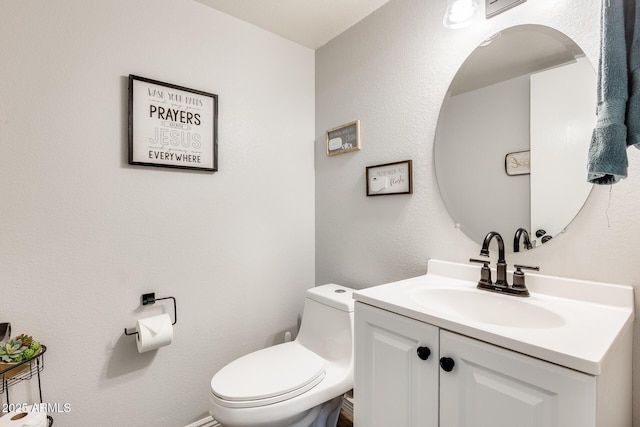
[{"x": 585, "y": 318}]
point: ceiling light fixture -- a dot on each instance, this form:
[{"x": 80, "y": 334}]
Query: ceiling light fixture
[{"x": 459, "y": 13}]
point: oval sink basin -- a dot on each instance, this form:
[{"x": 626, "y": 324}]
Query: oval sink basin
[{"x": 487, "y": 307}]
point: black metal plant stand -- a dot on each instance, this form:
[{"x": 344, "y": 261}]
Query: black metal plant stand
[{"x": 27, "y": 370}]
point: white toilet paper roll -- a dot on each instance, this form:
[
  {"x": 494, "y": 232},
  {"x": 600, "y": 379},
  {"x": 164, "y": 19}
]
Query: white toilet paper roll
[
  {"x": 154, "y": 332},
  {"x": 24, "y": 419}
]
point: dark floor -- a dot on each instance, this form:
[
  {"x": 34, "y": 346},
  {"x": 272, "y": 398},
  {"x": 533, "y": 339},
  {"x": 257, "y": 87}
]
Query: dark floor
[{"x": 344, "y": 422}]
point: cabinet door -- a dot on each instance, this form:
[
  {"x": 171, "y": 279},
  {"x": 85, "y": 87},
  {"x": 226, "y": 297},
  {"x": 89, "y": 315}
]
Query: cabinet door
[
  {"x": 493, "y": 387},
  {"x": 393, "y": 385}
]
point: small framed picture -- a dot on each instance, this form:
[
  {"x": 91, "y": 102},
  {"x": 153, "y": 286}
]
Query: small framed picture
[
  {"x": 343, "y": 138},
  {"x": 172, "y": 126},
  {"x": 390, "y": 178},
  {"x": 517, "y": 163}
]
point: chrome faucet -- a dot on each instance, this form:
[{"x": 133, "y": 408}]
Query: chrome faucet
[{"x": 520, "y": 232}]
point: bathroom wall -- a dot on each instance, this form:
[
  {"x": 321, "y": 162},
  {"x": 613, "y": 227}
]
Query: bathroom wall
[
  {"x": 495, "y": 131},
  {"x": 83, "y": 234},
  {"x": 391, "y": 71}
]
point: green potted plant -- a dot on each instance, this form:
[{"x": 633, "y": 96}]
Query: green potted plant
[{"x": 16, "y": 350}]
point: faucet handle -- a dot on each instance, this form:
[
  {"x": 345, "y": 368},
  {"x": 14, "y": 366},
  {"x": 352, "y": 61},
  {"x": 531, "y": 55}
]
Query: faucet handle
[
  {"x": 518, "y": 278},
  {"x": 526, "y": 267},
  {"x": 485, "y": 271}
]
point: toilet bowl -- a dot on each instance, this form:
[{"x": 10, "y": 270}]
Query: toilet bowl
[{"x": 298, "y": 383}]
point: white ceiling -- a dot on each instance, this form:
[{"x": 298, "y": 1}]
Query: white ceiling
[{"x": 311, "y": 23}]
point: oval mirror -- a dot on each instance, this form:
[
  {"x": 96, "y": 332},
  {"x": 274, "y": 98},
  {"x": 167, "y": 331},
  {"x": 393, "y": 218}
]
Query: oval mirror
[{"x": 513, "y": 134}]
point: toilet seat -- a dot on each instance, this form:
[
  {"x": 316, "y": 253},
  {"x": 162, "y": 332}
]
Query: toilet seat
[{"x": 268, "y": 376}]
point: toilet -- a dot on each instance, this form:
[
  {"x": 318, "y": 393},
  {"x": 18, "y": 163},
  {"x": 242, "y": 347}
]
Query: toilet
[{"x": 298, "y": 383}]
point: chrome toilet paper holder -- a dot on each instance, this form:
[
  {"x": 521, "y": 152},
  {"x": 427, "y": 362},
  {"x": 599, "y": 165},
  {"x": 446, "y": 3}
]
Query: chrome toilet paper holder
[{"x": 149, "y": 299}]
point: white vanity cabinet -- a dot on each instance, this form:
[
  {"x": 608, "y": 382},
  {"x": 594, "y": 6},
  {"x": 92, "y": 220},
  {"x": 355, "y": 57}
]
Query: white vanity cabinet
[
  {"x": 493, "y": 387},
  {"x": 478, "y": 384},
  {"x": 561, "y": 357},
  {"x": 393, "y": 385}
]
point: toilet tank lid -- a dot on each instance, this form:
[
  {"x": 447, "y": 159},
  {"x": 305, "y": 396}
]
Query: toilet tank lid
[{"x": 333, "y": 295}]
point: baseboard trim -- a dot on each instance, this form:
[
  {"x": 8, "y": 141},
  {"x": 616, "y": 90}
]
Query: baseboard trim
[
  {"x": 347, "y": 406},
  {"x": 205, "y": 422},
  {"x": 347, "y": 411}
]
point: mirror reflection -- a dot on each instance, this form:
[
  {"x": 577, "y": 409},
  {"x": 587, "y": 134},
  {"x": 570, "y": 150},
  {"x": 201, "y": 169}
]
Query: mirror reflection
[{"x": 513, "y": 135}]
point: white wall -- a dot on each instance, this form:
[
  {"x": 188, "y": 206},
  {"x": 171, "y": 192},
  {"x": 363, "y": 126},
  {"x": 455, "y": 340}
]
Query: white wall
[
  {"x": 391, "y": 71},
  {"x": 83, "y": 234}
]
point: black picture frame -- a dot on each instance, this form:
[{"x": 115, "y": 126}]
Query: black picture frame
[
  {"x": 518, "y": 163},
  {"x": 172, "y": 126},
  {"x": 390, "y": 178}
]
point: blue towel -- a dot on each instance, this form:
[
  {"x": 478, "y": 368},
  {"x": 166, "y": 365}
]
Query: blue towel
[
  {"x": 618, "y": 110},
  {"x": 633, "y": 105}
]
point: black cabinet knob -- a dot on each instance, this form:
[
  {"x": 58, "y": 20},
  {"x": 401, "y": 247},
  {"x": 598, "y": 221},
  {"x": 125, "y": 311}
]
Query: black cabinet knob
[
  {"x": 447, "y": 364},
  {"x": 424, "y": 353}
]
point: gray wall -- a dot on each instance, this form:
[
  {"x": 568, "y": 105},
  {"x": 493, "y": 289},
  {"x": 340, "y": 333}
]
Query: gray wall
[
  {"x": 83, "y": 234},
  {"x": 474, "y": 139},
  {"x": 391, "y": 71}
]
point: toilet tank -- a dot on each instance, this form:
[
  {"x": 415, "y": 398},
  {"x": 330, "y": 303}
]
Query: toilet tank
[{"x": 327, "y": 322}]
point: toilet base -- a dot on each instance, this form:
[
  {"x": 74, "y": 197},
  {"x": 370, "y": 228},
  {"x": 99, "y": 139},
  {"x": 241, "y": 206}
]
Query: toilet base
[
  {"x": 325, "y": 415},
  {"x": 329, "y": 413}
]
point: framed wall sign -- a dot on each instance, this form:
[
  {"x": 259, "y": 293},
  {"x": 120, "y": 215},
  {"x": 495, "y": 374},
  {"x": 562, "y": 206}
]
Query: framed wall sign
[
  {"x": 518, "y": 163},
  {"x": 390, "y": 178},
  {"x": 172, "y": 126},
  {"x": 343, "y": 138}
]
